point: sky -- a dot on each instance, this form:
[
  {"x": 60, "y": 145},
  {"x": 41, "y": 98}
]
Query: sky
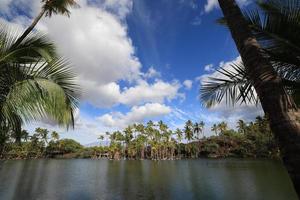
[{"x": 138, "y": 60}]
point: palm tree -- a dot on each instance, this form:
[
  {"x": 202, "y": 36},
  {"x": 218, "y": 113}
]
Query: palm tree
[
  {"x": 215, "y": 128},
  {"x": 188, "y": 130},
  {"x": 178, "y": 133},
  {"x": 197, "y": 130},
  {"x": 55, "y": 135},
  {"x": 274, "y": 98},
  {"x": 49, "y": 8},
  {"x": 42, "y": 133},
  {"x": 222, "y": 127},
  {"x": 241, "y": 126},
  {"x": 202, "y": 124},
  {"x": 25, "y": 135},
  {"x": 34, "y": 83}
]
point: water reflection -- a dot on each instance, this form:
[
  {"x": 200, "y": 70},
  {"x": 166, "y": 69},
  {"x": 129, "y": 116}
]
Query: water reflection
[{"x": 185, "y": 179}]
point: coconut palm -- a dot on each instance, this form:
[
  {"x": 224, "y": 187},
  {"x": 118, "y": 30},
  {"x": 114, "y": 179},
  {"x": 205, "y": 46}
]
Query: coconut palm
[
  {"x": 202, "y": 124},
  {"x": 43, "y": 134},
  {"x": 25, "y": 135},
  {"x": 197, "y": 129},
  {"x": 241, "y": 126},
  {"x": 188, "y": 130},
  {"x": 49, "y": 8},
  {"x": 55, "y": 135},
  {"x": 268, "y": 84},
  {"x": 222, "y": 127},
  {"x": 279, "y": 43},
  {"x": 215, "y": 128},
  {"x": 34, "y": 83},
  {"x": 178, "y": 133}
]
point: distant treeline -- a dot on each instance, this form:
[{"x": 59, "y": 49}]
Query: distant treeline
[{"x": 153, "y": 141}]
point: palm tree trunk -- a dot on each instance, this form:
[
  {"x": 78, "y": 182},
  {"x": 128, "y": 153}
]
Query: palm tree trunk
[
  {"x": 275, "y": 102},
  {"x": 30, "y": 28}
]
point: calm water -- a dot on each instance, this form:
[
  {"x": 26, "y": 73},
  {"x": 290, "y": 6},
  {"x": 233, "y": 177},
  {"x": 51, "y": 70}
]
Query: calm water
[{"x": 185, "y": 179}]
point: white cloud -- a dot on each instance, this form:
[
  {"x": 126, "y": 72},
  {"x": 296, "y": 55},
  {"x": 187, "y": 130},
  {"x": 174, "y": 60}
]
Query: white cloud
[
  {"x": 209, "y": 68},
  {"x": 213, "y": 4},
  {"x": 136, "y": 114},
  {"x": 151, "y": 73},
  {"x": 188, "y": 84},
  {"x": 4, "y": 4},
  {"x": 111, "y": 94},
  {"x": 96, "y": 42},
  {"x": 144, "y": 92}
]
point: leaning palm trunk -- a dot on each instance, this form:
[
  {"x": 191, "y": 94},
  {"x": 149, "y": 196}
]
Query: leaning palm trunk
[
  {"x": 268, "y": 85},
  {"x": 31, "y": 27}
]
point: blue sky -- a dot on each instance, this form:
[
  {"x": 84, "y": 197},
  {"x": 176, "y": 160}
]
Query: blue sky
[{"x": 138, "y": 60}]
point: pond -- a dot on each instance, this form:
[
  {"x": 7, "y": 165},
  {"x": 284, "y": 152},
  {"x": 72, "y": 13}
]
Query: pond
[{"x": 181, "y": 179}]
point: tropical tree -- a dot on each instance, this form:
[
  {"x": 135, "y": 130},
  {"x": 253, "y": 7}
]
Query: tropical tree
[
  {"x": 241, "y": 126},
  {"x": 202, "y": 124},
  {"x": 34, "y": 83},
  {"x": 101, "y": 138},
  {"x": 42, "y": 133},
  {"x": 197, "y": 129},
  {"x": 49, "y": 8},
  {"x": 188, "y": 130},
  {"x": 222, "y": 127},
  {"x": 179, "y": 135},
  {"x": 215, "y": 128},
  {"x": 55, "y": 135},
  {"x": 276, "y": 101}
]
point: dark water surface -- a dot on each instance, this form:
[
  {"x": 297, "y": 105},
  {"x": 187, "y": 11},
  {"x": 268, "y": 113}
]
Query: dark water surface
[{"x": 184, "y": 179}]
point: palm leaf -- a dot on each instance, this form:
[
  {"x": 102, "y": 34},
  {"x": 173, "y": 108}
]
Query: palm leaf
[{"x": 34, "y": 83}]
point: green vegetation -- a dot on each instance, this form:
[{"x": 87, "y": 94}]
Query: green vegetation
[{"x": 155, "y": 142}]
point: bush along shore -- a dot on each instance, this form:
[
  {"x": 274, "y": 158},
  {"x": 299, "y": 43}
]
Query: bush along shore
[{"x": 153, "y": 141}]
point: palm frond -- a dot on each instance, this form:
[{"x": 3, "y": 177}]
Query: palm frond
[
  {"x": 58, "y": 6},
  {"x": 231, "y": 85},
  {"x": 34, "y": 82},
  {"x": 32, "y": 48}
]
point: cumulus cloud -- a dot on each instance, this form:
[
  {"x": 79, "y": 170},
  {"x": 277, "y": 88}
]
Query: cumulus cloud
[
  {"x": 96, "y": 42},
  {"x": 111, "y": 94},
  {"x": 213, "y": 4},
  {"x": 136, "y": 114},
  {"x": 151, "y": 73},
  {"x": 188, "y": 84}
]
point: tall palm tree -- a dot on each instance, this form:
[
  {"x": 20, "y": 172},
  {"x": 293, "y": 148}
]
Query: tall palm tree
[
  {"x": 215, "y": 128},
  {"x": 25, "y": 135},
  {"x": 275, "y": 100},
  {"x": 202, "y": 124},
  {"x": 279, "y": 43},
  {"x": 49, "y": 8},
  {"x": 55, "y": 135},
  {"x": 42, "y": 133},
  {"x": 197, "y": 130},
  {"x": 188, "y": 130},
  {"x": 34, "y": 83},
  {"x": 178, "y": 133},
  {"x": 241, "y": 126},
  {"x": 222, "y": 127}
]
